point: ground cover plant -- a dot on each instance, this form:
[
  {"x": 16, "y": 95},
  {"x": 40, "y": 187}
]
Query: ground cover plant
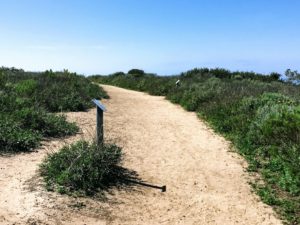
[
  {"x": 260, "y": 114},
  {"x": 26, "y": 100},
  {"x": 84, "y": 168}
]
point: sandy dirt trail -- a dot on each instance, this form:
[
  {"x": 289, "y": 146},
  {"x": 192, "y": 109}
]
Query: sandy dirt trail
[{"x": 206, "y": 182}]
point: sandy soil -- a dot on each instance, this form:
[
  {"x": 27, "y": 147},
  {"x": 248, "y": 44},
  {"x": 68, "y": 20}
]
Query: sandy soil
[{"x": 206, "y": 182}]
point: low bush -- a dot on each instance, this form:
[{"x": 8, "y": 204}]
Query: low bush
[
  {"x": 26, "y": 87},
  {"x": 48, "y": 125},
  {"x": 83, "y": 168},
  {"x": 66, "y": 91},
  {"x": 136, "y": 72},
  {"x": 22, "y": 130},
  {"x": 13, "y": 138}
]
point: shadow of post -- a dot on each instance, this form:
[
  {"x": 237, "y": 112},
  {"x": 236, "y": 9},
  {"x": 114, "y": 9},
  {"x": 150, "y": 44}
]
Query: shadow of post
[
  {"x": 124, "y": 177},
  {"x": 162, "y": 188}
]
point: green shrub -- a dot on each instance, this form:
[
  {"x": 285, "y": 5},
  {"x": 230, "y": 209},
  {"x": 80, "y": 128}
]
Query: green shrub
[
  {"x": 57, "y": 126},
  {"x": 26, "y": 87},
  {"x": 14, "y": 139},
  {"x": 2, "y": 79},
  {"x": 116, "y": 74},
  {"x": 275, "y": 125},
  {"x": 66, "y": 92},
  {"x": 136, "y": 72},
  {"x": 23, "y": 129},
  {"x": 82, "y": 167},
  {"x": 49, "y": 125}
]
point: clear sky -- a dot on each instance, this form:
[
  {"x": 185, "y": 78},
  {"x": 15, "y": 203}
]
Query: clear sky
[{"x": 159, "y": 36}]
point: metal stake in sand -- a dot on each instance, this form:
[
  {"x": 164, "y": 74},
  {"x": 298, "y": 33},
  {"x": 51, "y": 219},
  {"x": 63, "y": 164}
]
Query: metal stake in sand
[{"x": 100, "y": 109}]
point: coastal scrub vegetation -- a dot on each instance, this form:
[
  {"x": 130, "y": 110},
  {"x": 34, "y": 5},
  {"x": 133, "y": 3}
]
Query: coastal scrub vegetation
[
  {"x": 28, "y": 101},
  {"x": 259, "y": 114}
]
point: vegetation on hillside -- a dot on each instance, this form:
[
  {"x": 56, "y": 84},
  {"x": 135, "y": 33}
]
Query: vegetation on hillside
[
  {"x": 260, "y": 114},
  {"x": 26, "y": 100}
]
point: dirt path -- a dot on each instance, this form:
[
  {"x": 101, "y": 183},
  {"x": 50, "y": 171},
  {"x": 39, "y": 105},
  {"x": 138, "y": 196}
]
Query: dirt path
[{"x": 206, "y": 183}]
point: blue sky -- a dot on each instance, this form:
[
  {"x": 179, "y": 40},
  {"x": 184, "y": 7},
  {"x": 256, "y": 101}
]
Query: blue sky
[{"x": 159, "y": 36}]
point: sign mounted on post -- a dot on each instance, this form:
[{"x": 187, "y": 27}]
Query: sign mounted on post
[
  {"x": 100, "y": 109},
  {"x": 99, "y": 104}
]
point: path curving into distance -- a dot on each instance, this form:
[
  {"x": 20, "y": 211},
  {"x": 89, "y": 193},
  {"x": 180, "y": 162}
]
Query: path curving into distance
[
  {"x": 206, "y": 183},
  {"x": 166, "y": 145}
]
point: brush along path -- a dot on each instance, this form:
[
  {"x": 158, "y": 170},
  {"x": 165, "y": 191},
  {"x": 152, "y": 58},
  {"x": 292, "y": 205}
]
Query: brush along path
[{"x": 206, "y": 183}]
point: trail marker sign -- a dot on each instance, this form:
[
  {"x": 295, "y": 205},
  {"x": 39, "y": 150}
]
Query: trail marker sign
[{"x": 100, "y": 109}]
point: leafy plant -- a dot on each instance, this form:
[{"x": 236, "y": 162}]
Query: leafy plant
[
  {"x": 84, "y": 168},
  {"x": 13, "y": 138},
  {"x": 136, "y": 72},
  {"x": 26, "y": 87}
]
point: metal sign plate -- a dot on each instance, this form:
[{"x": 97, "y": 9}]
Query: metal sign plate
[{"x": 99, "y": 104}]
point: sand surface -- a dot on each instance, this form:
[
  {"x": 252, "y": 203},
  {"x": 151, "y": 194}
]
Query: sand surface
[{"x": 206, "y": 182}]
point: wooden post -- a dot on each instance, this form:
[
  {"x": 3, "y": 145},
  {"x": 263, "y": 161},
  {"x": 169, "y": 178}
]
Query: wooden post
[
  {"x": 99, "y": 126},
  {"x": 99, "y": 116}
]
